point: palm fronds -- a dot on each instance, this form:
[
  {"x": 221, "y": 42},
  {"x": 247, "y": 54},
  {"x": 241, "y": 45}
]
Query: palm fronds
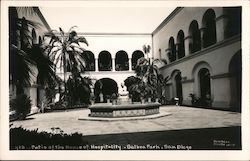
[
  {"x": 65, "y": 50},
  {"x": 24, "y": 55}
]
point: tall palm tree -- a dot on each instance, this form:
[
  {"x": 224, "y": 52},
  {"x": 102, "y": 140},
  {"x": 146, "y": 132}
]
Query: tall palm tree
[{"x": 65, "y": 50}]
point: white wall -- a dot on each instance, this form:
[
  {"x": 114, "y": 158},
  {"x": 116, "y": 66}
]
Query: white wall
[{"x": 114, "y": 43}]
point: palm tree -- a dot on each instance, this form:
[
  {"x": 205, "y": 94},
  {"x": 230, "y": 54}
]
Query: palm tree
[
  {"x": 65, "y": 50},
  {"x": 149, "y": 75},
  {"x": 148, "y": 81},
  {"x": 19, "y": 43},
  {"x": 46, "y": 74},
  {"x": 24, "y": 55}
]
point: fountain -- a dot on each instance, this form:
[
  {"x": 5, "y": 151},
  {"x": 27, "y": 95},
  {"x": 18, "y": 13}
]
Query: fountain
[{"x": 123, "y": 108}]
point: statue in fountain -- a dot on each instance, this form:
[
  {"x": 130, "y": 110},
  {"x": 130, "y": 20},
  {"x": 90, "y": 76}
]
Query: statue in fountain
[{"x": 123, "y": 95}]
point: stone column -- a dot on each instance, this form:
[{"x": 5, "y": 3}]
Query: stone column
[
  {"x": 113, "y": 64},
  {"x": 130, "y": 64},
  {"x": 96, "y": 65},
  {"x": 168, "y": 51},
  {"x": 177, "y": 50},
  {"x": 221, "y": 25},
  {"x": 188, "y": 40},
  {"x": 202, "y": 31}
]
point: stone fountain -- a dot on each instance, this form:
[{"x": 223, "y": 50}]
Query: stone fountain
[{"x": 124, "y": 107}]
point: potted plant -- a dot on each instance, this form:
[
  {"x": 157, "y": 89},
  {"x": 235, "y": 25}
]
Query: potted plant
[
  {"x": 114, "y": 99},
  {"x": 142, "y": 100},
  {"x": 149, "y": 96},
  {"x": 149, "y": 99},
  {"x": 130, "y": 98},
  {"x": 92, "y": 98},
  {"x": 143, "y": 96},
  {"x": 108, "y": 98}
]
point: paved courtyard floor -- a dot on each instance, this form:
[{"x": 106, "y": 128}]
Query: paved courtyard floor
[{"x": 181, "y": 118}]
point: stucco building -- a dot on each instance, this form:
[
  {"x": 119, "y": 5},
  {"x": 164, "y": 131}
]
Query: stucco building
[
  {"x": 111, "y": 58},
  {"x": 201, "y": 45},
  {"x": 203, "y": 49}
]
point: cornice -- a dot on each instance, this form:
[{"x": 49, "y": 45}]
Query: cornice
[
  {"x": 40, "y": 15},
  {"x": 167, "y": 19}
]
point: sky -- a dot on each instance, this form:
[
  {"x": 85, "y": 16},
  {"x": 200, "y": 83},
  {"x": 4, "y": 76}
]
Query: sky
[{"x": 108, "y": 18}]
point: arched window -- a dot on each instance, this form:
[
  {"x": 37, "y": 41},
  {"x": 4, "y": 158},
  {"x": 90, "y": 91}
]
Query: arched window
[
  {"x": 105, "y": 61},
  {"x": 233, "y": 26},
  {"x": 135, "y": 56},
  {"x": 194, "y": 32},
  {"x": 180, "y": 44},
  {"x": 205, "y": 86},
  {"x": 121, "y": 61},
  {"x": 209, "y": 27},
  {"x": 34, "y": 38},
  {"x": 178, "y": 87},
  {"x": 172, "y": 50},
  {"x": 40, "y": 41},
  {"x": 89, "y": 60}
]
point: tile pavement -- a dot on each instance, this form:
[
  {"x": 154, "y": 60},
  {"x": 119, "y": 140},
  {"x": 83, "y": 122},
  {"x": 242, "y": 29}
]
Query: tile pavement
[{"x": 181, "y": 117}]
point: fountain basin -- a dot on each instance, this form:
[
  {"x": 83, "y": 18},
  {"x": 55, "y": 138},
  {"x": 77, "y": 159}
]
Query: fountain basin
[{"x": 108, "y": 110}]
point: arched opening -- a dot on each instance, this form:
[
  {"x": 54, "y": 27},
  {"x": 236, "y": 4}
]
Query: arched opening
[
  {"x": 194, "y": 33},
  {"x": 135, "y": 56},
  {"x": 121, "y": 61},
  {"x": 205, "y": 87},
  {"x": 40, "y": 41},
  {"x": 105, "y": 61},
  {"x": 209, "y": 25},
  {"x": 90, "y": 60},
  {"x": 104, "y": 88},
  {"x": 34, "y": 38},
  {"x": 172, "y": 49},
  {"x": 180, "y": 46},
  {"x": 233, "y": 26},
  {"x": 178, "y": 87},
  {"x": 235, "y": 81}
]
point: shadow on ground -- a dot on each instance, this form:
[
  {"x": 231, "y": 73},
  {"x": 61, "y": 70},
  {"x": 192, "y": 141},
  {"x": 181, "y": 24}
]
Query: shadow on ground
[
  {"x": 196, "y": 139},
  {"x": 224, "y": 138}
]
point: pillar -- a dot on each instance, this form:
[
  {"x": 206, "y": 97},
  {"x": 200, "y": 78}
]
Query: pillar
[
  {"x": 188, "y": 41},
  {"x": 113, "y": 64},
  {"x": 202, "y": 31},
  {"x": 221, "y": 25},
  {"x": 177, "y": 50},
  {"x": 130, "y": 64},
  {"x": 168, "y": 51},
  {"x": 96, "y": 65}
]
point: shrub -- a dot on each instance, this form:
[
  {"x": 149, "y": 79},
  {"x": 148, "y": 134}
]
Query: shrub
[
  {"x": 28, "y": 139},
  {"x": 22, "y": 105}
]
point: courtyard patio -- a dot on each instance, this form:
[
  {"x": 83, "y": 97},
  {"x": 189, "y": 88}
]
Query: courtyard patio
[{"x": 196, "y": 127}]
